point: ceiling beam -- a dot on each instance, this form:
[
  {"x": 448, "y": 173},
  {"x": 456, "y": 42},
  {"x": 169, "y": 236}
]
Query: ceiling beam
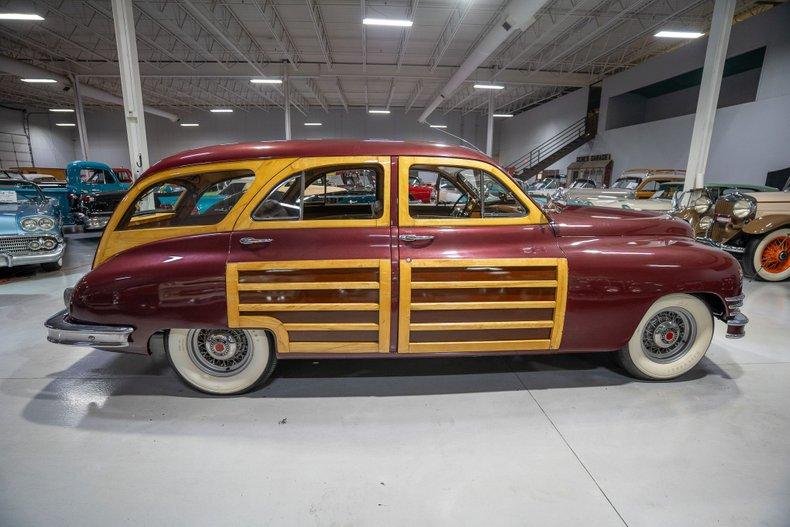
[
  {"x": 451, "y": 27},
  {"x": 271, "y": 18},
  {"x": 404, "y": 38},
  {"x": 320, "y": 31}
]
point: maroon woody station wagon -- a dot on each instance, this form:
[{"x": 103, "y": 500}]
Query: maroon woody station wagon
[{"x": 239, "y": 255}]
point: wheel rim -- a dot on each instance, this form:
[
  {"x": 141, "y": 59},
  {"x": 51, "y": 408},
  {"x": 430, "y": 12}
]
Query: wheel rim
[
  {"x": 776, "y": 255},
  {"x": 668, "y": 335},
  {"x": 219, "y": 352}
]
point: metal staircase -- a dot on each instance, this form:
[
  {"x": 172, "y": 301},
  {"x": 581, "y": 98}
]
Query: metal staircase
[{"x": 556, "y": 147}]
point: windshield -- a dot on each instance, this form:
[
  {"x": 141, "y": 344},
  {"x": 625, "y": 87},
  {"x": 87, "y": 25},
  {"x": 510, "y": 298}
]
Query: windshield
[
  {"x": 13, "y": 191},
  {"x": 547, "y": 183},
  {"x": 666, "y": 191},
  {"x": 628, "y": 183}
]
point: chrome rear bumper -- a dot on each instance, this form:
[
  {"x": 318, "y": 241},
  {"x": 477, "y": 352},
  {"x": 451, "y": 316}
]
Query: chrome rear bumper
[
  {"x": 61, "y": 330},
  {"x": 736, "y": 321}
]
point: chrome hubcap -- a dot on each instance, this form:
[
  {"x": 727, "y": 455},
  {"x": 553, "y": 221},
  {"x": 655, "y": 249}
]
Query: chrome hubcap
[
  {"x": 669, "y": 335},
  {"x": 219, "y": 352}
]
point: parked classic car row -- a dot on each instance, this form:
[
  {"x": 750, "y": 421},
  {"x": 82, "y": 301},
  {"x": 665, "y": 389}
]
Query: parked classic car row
[{"x": 268, "y": 273}]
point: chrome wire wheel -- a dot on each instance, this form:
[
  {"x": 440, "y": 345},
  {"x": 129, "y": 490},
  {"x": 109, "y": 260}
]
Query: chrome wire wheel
[
  {"x": 668, "y": 335},
  {"x": 220, "y": 352}
]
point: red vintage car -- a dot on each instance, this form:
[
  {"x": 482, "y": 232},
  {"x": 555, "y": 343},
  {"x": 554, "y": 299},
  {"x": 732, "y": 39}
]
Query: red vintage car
[
  {"x": 419, "y": 191},
  {"x": 276, "y": 270}
]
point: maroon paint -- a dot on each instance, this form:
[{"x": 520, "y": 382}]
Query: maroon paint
[{"x": 613, "y": 278}]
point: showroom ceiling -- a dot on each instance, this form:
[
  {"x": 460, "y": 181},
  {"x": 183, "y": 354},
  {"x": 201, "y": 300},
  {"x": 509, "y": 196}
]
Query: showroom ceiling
[{"x": 196, "y": 54}]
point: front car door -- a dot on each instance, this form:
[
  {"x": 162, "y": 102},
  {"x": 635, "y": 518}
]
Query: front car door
[
  {"x": 309, "y": 257},
  {"x": 481, "y": 274}
]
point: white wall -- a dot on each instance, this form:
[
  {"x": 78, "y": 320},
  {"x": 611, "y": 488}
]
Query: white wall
[
  {"x": 748, "y": 140},
  {"x": 54, "y": 146}
]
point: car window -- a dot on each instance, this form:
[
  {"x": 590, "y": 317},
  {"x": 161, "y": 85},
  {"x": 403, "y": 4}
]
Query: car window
[
  {"x": 186, "y": 201},
  {"x": 96, "y": 176},
  {"x": 627, "y": 183},
  {"x": 124, "y": 176},
  {"x": 325, "y": 194},
  {"x": 466, "y": 193}
]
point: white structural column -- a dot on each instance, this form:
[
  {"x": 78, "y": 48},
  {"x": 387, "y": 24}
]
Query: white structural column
[
  {"x": 79, "y": 111},
  {"x": 123, "y": 19},
  {"x": 490, "y": 126},
  {"x": 287, "y": 105},
  {"x": 715, "y": 56}
]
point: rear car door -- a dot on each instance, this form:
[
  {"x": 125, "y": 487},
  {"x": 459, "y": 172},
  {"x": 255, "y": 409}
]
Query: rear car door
[
  {"x": 479, "y": 267},
  {"x": 310, "y": 257}
]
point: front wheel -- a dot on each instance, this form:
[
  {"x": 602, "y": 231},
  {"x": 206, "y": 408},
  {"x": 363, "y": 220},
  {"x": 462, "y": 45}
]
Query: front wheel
[
  {"x": 221, "y": 361},
  {"x": 670, "y": 340},
  {"x": 768, "y": 258}
]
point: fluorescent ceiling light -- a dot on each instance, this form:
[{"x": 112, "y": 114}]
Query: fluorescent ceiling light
[
  {"x": 679, "y": 34},
  {"x": 489, "y": 86},
  {"x": 61, "y": 110},
  {"x": 221, "y": 110},
  {"x": 379, "y": 111},
  {"x": 313, "y": 124},
  {"x": 65, "y": 124},
  {"x": 266, "y": 81},
  {"x": 43, "y": 81},
  {"x": 503, "y": 115},
  {"x": 387, "y": 22},
  {"x": 187, "y": 125},
  {"x": 20, "y": 16},
  {"x": 438, "y": 126}
]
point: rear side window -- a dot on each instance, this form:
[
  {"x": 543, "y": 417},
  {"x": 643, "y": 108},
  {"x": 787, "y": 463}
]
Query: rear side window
[
  {"x": 200, "y": 199},
  {"x": 325, "y": 194}
]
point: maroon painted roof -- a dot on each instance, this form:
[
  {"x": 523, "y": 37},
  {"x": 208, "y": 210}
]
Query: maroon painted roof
[{"x": 313, "y": 148}]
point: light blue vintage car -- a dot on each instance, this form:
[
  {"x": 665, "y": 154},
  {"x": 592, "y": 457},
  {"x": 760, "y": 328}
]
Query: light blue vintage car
[{"x": 31, "y": 226}]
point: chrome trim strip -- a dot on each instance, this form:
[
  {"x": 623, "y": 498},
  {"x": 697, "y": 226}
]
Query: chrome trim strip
[
  {"x": 61, "y": 331},
  {"x": 722, "y": 246}
]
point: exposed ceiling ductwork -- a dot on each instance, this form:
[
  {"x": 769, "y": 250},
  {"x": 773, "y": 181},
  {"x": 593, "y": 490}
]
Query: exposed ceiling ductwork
[
  {"x": 518, "y": 15},
  {"x": 23, "y": 69}
]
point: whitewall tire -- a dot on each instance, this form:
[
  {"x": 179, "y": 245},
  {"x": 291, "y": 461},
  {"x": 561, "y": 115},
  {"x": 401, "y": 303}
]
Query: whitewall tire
[
  {"x": 769, "y": 256},
  {"x": 220, "y": 361},
  {"x": 671, "y": 338}
]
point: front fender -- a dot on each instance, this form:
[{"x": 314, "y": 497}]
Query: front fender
[{"x": 767, "y": 223}]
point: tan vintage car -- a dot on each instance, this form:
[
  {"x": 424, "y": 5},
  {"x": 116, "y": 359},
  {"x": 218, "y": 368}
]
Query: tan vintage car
[
  {"x": 756, "y": 225},
  {"x": 639, "y": 183}
]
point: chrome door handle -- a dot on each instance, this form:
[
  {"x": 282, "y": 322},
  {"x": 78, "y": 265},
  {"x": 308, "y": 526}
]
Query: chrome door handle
[
  {"x": 415, "y": 237},
  {"x": 254, "y": 241}
]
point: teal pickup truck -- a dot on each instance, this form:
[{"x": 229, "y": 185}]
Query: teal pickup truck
[{"x": 89, "y": 195}]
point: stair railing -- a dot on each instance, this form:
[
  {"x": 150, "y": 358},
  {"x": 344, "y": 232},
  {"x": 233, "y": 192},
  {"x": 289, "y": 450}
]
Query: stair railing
[{"x": 552, "y": 145}]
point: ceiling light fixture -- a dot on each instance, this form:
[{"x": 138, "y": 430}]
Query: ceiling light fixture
[
  {"x": 61, "y": 110},
  {"x": 20, "y": 16},
  {"x": 679, "y": 34},
  {"x": 384, "y": 112},
  {"x": 65, "y": 124},
  {"x": 387, "y": 22},
  {"x": 313, "y": 124},
  {"x": 489, "y": 86},
  {"x": 221, "y": 110},
  {"x": 41, "y": 81},
  {"x": 266, "y": 81},
  {"x": 190, "y": 125},
  {"x": 503, "y": 115},
  {"x": 438, "y": 126}
]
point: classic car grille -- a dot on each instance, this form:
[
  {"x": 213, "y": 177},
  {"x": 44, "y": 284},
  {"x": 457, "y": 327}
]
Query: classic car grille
[
  {"x": 14, "y": 245},
  {"x": 722, "y": 217}
]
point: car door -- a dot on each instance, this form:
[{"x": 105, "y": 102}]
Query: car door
[
  {"x": 488, "y": 276},
  {"x": 310, "y": 257}
]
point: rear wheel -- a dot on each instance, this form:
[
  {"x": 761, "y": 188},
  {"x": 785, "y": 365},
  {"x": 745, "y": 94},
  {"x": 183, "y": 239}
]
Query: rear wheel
[
  {"x": 221, "y": 361},
  {"x": 671, "y": 338},
  {"x": 768, "y": 257}
]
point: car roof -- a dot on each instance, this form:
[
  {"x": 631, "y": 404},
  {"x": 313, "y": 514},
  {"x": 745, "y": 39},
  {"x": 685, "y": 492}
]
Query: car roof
[{"x": 313, "y": 148}]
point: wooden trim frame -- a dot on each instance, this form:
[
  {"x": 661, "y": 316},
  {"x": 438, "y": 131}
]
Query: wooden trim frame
[
  {"x": 382, "y": 163},
  {"x": 238, "y": 316},
  {"x": 534, "y": 214},
  {"x": 114, "y": 241},
  {"x": 408, "y": 306}
]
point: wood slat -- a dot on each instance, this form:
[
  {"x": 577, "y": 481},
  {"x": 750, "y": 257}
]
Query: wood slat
[
  {"x": 304, "y": 286},
  {"x": 291, "y": 265},
  {"x": 516, "y": 324},
  {"x": 455, "y": 306},
  {"x": 484, "y": 345},
  {"x": 483, "y": 284},
  {"x": 334, "y": 347},
  {"x": 489, "y": 262},
  {"x": 346, "y": 306},
  {"x": 331, "y": 326}
]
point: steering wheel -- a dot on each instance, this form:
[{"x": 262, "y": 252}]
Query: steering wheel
[{"x": 459, "y": 212}]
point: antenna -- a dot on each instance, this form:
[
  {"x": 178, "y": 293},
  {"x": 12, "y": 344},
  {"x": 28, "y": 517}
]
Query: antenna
[{"x": 457, "y": 137}]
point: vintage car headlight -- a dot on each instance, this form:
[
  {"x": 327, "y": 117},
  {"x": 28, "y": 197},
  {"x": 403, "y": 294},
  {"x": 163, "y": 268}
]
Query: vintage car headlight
[
  {"x": 29, "y": 224},
  {"x": 46, "y": 223},
  {"x": 743, "y": 208},
  {"x": 702, "y": 204},
  {"x": 49, "y": 244},
  {"x": 34, "y": 245},
  {"x": 705, "y": 223}
]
